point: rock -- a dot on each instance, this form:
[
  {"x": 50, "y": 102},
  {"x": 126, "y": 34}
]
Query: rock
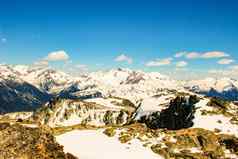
[
  {"x": 17, "y": 141},
  {"x": 178, "y": 115},
  {"x": 110, "y": 132}
]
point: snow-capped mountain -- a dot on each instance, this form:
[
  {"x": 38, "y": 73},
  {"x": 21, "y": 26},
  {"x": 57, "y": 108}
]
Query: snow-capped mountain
[
  {"x": 131, "y": 105},
  {"x": 47, "y": 79},
  {"x": 44, "y": 78},
  {"x": 18, "y": 95},
  {"x": 129, "y": 84},
  {"x": 226, "y": 88},
  {"x": 8, "y": 72},
  {"x": 124, "y": 83}
]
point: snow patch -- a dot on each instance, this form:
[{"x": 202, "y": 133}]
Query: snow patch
[{"x": 93, "y": 144}]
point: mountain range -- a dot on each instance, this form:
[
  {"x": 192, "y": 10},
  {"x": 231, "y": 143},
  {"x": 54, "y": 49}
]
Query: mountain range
[
  {"x": 24, "y": 88},
  {"x": 174, "y": 119}
]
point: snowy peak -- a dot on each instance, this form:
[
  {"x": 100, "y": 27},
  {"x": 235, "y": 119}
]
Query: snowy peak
[
  {"x": 125, "y": 76},
  {"x": 129, "y": 84},
  {"x": 44, "y": 78},
  {"x": 48, "y": 79},
  {"x": 225, "y": 87},
  {"x": 8, "y": 72},
  {"x": 212, "y": 83}
]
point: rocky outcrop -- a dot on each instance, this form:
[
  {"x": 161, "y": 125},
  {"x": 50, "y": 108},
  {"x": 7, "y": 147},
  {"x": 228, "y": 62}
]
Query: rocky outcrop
[
  {"x": 73, "y": 92},
  {"x": 178, "y": 115},
  {"x": 21, "y": 142},
  {"x": 61, "y": 112}
]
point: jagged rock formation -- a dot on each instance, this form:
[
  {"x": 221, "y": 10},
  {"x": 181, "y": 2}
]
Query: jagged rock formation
[
  {"x": 73, "y": 92},
  {"x": 21, "y": 142},
  {"x": 71, "y": 112},
  {"x": 178, "y": 115}
]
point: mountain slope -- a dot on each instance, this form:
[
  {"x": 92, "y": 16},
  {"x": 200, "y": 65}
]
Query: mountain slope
[
  {"x": 224, "y": 88},
  {"x": 17, "y": 95},
  {"x": 125, "y": 83},
  {"x": 44, "y": 78}
]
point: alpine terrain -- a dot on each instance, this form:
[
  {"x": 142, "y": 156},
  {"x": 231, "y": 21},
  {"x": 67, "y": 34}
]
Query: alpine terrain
[{"x": 119, "y": 113}]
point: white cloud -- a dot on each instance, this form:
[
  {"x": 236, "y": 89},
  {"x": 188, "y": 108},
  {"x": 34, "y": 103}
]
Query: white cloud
[
  {"x": 225, "y": 61},
  {"x": 53, "y": 56},
  {"x": 122, "y": 58},
  {"x": 206, "y": 55},
  {"x": 193, "y": 55},
  {"x": 214, "y": 54},
  {"x": 57, "y": 56},
  {"x": 3, "y": 40},
  {"x": 159, "y": 62},
  {"x": 180, "y": 54},
  {"x": 181, "y": 64}
]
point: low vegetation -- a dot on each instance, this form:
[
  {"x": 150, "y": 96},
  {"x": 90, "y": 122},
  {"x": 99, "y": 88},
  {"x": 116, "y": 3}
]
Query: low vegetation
[
  {"x": 218, "y": 103},
  {"x": 222, "y": 107},
  {"x": 125, "y": 137},
  {"x": 191, "y": 143},
  {"x": 63, "y": 129},
  {"x": 110, "y": 132}
]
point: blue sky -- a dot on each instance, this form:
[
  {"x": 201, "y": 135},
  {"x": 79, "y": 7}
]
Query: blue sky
[{"x": 144, "y": 34}]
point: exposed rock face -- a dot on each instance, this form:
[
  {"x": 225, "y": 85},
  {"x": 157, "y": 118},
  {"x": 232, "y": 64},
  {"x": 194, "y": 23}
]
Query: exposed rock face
[
  {"x": 21, "y": 142},
  {"x": 178, "y": 115},
  {"x": 73, "y": 93},
  {"x": 72, "y": 112},
  {"x": 20, "y": 96}
]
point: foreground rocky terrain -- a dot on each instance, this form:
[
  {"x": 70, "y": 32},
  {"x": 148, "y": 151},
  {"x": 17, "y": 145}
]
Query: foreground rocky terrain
[
  {"x": 179, "y": 126},
  {"x": 194, "y": 143},
  {"x": 21, "y": 142}
]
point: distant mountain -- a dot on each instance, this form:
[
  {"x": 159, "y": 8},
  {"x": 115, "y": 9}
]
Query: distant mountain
[
  {"x": 129, "y": 84},
  {"x": 27, "y": 87},
  {"x": 20, "y": 96},
  {"x": 225, "y": 88},
  {"x": 17, "y": 94},
  {"x": 46, "y": 79}
]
